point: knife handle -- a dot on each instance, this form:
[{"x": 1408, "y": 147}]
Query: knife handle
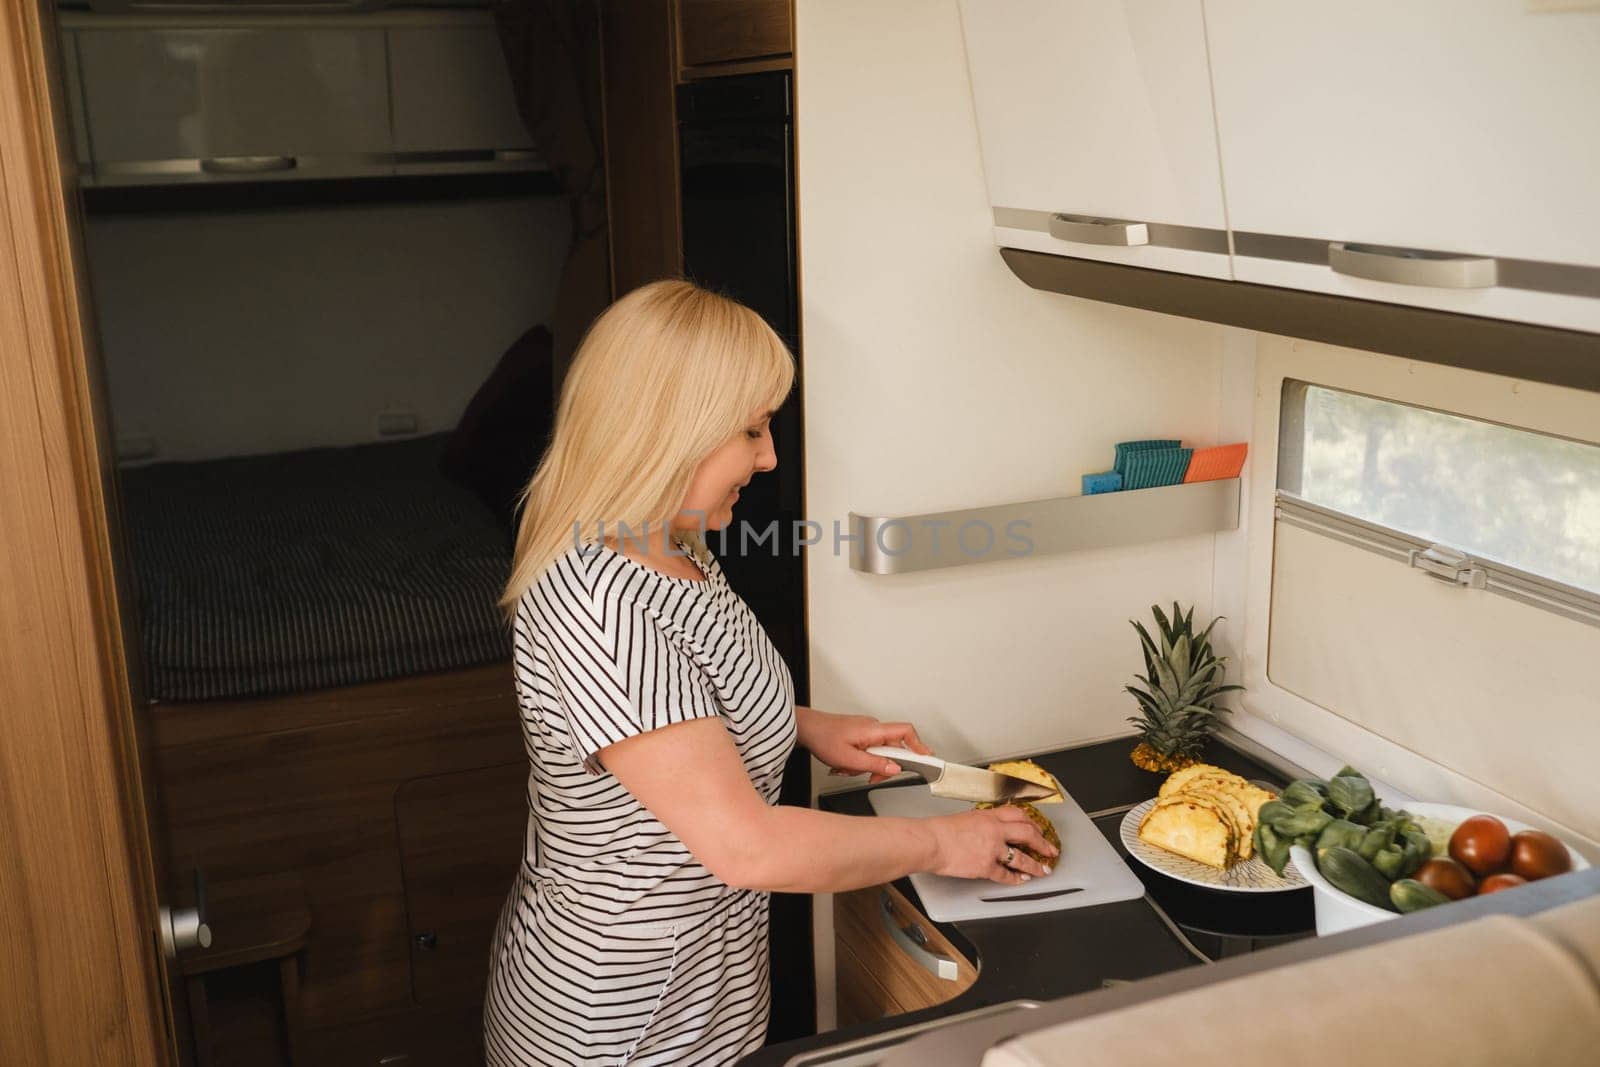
[{"x": 929, "y": 767}]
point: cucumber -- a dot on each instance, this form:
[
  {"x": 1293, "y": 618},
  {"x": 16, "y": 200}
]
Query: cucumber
[
  {"x": 1410, "y": 895},
  {"x": 1347, "y": 872}
]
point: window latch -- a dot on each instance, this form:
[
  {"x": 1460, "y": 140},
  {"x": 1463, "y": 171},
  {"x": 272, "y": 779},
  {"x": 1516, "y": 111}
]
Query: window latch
[{"x": 1448, "y": 565}]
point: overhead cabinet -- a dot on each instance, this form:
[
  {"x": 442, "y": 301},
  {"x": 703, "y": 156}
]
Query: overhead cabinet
[
  {"x": 1431, "y": 153},
  {"x": 453, "y": 98},
  {"x": 1435, "y": 154},
  {"x": 1097, "y": 132},
  {"x": 178, "y": 102},
  {"x": 262, "y": 98}
]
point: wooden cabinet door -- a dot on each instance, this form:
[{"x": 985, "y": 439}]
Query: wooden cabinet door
[
  {"x": 890, "y": 959},
  {"x": 85, "y": 867},
  {"x": 1102, "y": 111},
  {"x": 728, "y": 31},
  {"x": 461, "y": 838},
  {"x": 1434, "y": 126}
]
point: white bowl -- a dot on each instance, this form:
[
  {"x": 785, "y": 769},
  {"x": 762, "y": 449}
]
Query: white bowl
[{"x": 1337, "y": 910}]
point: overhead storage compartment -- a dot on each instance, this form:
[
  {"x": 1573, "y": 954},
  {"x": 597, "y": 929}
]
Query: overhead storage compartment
[
  {"x": 260, "y": 100},
  {"x": 1433, "y": 156},
  {"x": 1097, "y": 131},
  {"x": 1432, "y": 153},
  {"x": 453, "y": 100},
  {"x": 217, "y": 98}
]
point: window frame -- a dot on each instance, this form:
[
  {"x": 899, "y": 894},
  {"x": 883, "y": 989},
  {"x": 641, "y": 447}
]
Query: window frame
[
  {"x": 1318, "y": 738},
  {"x": 1473, "y": 572}
]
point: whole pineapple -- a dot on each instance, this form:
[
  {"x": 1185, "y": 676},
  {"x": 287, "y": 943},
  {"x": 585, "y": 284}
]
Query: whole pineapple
[{"x": 1182, "y": 681}]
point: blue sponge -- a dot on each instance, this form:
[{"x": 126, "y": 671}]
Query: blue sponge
[
  {"x": 1104, "y": 482},
  {"x": 1151, "y": 467},
  {"x": 1127, "y": 448}
]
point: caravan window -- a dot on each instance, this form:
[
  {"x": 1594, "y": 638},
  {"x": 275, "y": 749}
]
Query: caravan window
[
  {"x": 1432, "y": 582},
  {"x": 1506, "y": 508}
]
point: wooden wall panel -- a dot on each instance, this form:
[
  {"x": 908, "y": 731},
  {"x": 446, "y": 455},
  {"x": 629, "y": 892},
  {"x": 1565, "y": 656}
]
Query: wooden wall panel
[
  {"x": 80, "y": 980},
  {"x": 726, "y": 31},
  {"x": 309, "y": 784},
  {"x": 641, "y": 139}
]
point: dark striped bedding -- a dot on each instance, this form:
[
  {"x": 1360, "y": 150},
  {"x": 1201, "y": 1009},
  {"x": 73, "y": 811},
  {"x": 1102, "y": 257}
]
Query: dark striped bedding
[{"x": 303, "y": 570}]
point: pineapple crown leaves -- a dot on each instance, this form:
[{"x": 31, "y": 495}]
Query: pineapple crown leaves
[{"x": 1182, "y": 680}]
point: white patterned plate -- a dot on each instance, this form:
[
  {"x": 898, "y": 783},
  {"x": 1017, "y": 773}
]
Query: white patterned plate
[{"x": 1249, "y": 876}]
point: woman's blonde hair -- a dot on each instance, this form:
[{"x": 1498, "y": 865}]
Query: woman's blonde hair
[{"x": 664, "y": 376}]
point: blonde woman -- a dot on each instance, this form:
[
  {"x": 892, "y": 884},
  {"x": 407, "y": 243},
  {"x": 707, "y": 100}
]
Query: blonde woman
[{"x": 658, "y": 717}]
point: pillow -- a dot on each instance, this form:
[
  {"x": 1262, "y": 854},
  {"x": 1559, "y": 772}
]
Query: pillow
[{"x": 504, "y": 430}]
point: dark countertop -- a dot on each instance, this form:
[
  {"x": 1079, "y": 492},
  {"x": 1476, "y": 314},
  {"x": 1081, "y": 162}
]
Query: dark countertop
[{"x": 1058, "y": 953}]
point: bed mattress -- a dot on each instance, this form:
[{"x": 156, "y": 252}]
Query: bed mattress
[{"x": 304, "y": 570}]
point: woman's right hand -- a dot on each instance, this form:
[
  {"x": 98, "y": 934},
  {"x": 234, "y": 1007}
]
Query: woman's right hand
[{"x": 974, "y": 844}]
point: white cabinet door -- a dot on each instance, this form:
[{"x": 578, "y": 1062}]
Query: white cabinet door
[
  {"x": 1431, "y": 125},
  {"x": 1099, "y": 109},
  {"x": 452, "y": 93},
  {"x": 292, "y": 101}
]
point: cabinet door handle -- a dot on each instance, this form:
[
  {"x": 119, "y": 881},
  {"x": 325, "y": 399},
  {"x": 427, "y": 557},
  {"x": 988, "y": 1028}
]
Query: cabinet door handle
[
  {"x": 1410, "y": 266},
  {"x": 1086, "y": 229},
  {"x": 913, "y": 941},
  {"x": 247, "y": 164}
]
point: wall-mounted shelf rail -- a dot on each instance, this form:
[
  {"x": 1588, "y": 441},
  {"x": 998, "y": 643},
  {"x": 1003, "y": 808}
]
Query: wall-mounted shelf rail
[{"x": 906, "y": 543}]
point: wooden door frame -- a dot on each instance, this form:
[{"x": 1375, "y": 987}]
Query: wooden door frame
[{"x": 81, "y": 979}]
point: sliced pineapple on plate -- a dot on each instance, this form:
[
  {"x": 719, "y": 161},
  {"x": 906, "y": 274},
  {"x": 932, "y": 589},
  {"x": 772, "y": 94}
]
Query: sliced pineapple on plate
[
  {"x": 1182, "y": 777},
  {"x": 1233, "y": 810},
  {"x": 1252, "y": 797},
  {"x": 1191, "y": 827},
  {"x": 1236, "y": 802}
]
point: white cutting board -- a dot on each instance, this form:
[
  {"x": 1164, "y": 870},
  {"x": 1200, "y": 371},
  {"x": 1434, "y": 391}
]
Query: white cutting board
[{"x": 1087, "y": 860}]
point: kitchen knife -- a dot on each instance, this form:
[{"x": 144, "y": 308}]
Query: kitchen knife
[{"x": 957, "y": 781}]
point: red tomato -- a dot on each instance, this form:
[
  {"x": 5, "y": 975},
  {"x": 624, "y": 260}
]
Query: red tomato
[
  {"x": 1481, "y": 844},
  {"x": 1496, "y": 882},
  {"x": 1448, "y": 877},
  {"x": 1536, "y": 854}
]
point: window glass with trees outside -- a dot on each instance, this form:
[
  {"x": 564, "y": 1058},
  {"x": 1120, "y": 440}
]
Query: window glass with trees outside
[{"x": 1525, "y": 499}]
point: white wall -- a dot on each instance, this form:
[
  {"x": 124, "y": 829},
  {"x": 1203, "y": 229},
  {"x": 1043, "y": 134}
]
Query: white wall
[
  {"x": 935, "y": 379},
  {"x": 248, "y": 332}
]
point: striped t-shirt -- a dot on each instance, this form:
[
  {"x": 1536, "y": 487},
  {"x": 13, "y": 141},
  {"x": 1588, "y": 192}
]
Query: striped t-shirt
[{"x": 615, "y": 944}]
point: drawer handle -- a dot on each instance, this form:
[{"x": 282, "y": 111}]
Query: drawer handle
[
  {"x": 247, "y": 164},
  {"x": 1410, "y": 266},
  {"x": 1086, "y": 229},
  {"x": 913, "y": 941}
]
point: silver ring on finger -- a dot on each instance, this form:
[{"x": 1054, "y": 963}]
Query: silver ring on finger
[{"x": 1011, "y": 853}]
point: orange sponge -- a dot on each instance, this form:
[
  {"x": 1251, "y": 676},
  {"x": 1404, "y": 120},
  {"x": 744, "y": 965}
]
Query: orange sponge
[{"x": 1213, "y": 464}]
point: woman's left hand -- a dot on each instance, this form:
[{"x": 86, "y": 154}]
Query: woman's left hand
[{"x": 841, "y": 741}]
